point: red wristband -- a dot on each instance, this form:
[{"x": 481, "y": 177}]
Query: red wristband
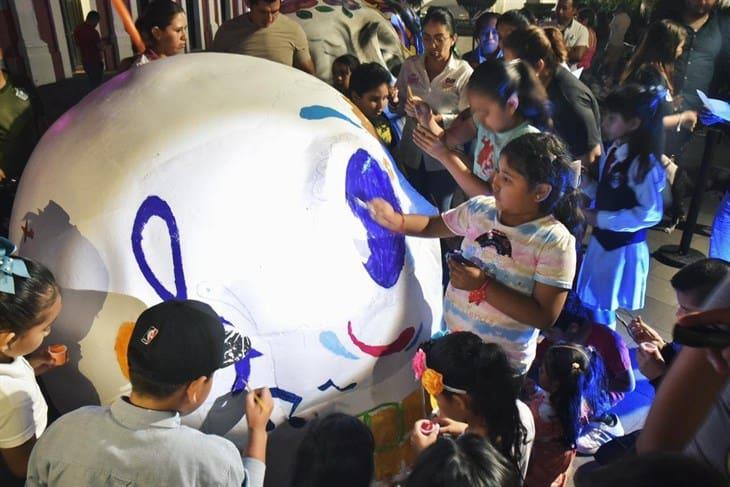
[
  {"x": 478, "y": 296},
  {"x": 403, "y": 224}
]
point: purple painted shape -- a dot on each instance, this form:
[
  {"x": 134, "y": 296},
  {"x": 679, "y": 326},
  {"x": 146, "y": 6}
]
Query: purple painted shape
[
  {"x": 364, "y": 181},
  {"x": 243, "y": 370},
  {"x": 156, "y": 206}
]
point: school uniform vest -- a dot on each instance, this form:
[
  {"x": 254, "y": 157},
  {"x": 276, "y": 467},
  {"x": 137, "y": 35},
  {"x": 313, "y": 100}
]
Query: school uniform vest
[{"x": 614, "y": 194}]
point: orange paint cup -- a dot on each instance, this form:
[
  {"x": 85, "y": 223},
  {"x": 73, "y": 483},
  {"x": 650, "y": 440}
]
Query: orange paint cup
[{"x": 59, "y": 354}]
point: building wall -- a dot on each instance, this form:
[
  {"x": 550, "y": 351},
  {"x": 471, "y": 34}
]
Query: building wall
[{"x": 34, "y": 40}]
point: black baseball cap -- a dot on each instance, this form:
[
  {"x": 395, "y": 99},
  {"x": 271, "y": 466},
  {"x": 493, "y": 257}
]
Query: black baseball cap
[{"x": 177, "y": 341}]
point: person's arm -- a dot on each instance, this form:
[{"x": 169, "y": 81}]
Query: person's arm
[
  {"x": 462, "y": 130},
  {"x": 583, "y": 40},
  {"x": 591, "y": 156},
  {"x": 17, "y": 458},
  {"x": 302, "y": 56},
  {"x": 576, "y": 53},
  {"x": 259, "y": 405},
  {"x": 683, "y": 120},
  {"x": 622, "y": 379},
  {"x": 414, "y": 225},
  {"x": 540, "y": 309},
  {"x": 434, "y": 146},
  {"x": 688, "y": 391},
  {"x": 306, "y": 65},
  {"x": 649, "y": 209}
]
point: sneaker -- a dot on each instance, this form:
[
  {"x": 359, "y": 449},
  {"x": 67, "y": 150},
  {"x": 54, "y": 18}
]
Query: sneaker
[{"x": 597, "y": 433}]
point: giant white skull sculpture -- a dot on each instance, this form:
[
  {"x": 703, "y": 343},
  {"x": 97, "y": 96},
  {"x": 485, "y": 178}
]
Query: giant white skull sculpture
[{"x": 235, "y": 181}]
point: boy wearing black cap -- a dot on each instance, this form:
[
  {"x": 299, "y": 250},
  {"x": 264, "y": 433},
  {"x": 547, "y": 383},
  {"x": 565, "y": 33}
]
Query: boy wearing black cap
[{"x": 175, "y": 348}]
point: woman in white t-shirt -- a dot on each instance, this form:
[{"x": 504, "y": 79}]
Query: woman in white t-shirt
[
  {"x": 30, "y": 301},
  {"x": 434, "y": 82}
]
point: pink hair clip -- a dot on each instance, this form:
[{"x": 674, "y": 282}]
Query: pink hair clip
[{"x": 418, "y": 364}]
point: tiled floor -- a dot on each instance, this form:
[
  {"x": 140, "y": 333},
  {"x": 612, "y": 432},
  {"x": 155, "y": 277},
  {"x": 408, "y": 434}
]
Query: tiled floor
[{"x": 659, "y": 312}]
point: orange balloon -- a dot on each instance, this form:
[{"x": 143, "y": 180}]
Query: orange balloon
[{"x": 129, "y": 26}]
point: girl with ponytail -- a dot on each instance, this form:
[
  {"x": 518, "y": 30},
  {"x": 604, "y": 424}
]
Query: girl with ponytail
[
  {"x": 575, "y": 110},
  {"x": 517, "y": 259},
  {"x": 626, "y": 202},
  {"x": 507, "y": 100},
  {"x": 473, "y": 384},
  {"x": 570, "y": 390}
]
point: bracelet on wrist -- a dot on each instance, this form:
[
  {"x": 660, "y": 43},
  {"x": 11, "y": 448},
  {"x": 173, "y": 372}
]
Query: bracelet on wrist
[{"x": 478, "y": 296}]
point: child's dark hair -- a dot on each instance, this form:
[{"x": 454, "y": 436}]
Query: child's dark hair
[
  {"x": 21, "y": 311},
  {"x": 467, "y": 461},
  {"x": 483, "y": 370},
  {"x": 501, "y": 80},
  {"x": 514, "y": 18},
  {"x": 150, "y": 387},
  {"x": 440, "y": 15},
  {"x": 367, "y": 77},
  {"x": 159, "y": 13},
  {"x": 698, "y": 279},
  {"x": 658, "y": 48},
  {"x": 633, "y": 101},
  {"x": 348, "y": 60},
  {"x": 337, "y": 450},
  {"x": 541, "y": 158},
  {"x": 576, "y": 374}
]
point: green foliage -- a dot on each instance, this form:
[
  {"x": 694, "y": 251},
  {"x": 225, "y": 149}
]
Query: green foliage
[{"x": 609, "y": 5}]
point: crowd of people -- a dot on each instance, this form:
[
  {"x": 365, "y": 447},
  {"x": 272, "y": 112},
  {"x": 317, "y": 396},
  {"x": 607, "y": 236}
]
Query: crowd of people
[{"x": 548, "y": 150}]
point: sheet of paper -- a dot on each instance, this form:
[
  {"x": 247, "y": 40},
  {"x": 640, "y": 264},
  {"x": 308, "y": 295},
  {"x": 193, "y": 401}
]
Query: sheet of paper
[{"x": 719, "y": 108}]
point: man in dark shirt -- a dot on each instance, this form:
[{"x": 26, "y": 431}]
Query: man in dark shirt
[
  {"x": 703, "y": 66},
  {"x": 706, "y": 49},
  {"x": 89, "y": 42}
]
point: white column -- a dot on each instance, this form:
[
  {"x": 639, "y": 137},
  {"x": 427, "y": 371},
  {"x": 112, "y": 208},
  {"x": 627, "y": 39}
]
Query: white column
[
  {"x": 61, "y": 37},
  {"x": 118, "y": 36},
  {"x": 214, "y": 21},
  {"x": 201, "y": 25},
  {"x": 31, "y": 45}
]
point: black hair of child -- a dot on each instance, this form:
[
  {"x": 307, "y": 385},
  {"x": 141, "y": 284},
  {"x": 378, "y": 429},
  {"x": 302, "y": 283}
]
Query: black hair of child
[
  {"x": 467, "y": 461},
  {"x": 20, "y": 312},
  {"x": 484, "y": 371},
  {"x": 337, "y": 450},
  {"x": 501, "y": 80},
  {"x": 542, "y": 158},
  {"x": 367, "y": 77}
]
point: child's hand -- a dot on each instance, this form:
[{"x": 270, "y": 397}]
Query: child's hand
[
  {"x": 689, "y": 120},
  {"x": 393, "y": 95},
  {"x": 448, "y": 426},
  {"x": 384, "y": 215},
  {"x": 651, "y": 362},
  {"x": 465, "y": 277},
  {"x": 591, "y": 216},
  {"x": 641, "y": 332},
  {"x": 424, "y": 434},
  {"x": 259, "y": 405},
  {"x": 42, "y": 361},
  {"x": 430, "y": 143}
]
